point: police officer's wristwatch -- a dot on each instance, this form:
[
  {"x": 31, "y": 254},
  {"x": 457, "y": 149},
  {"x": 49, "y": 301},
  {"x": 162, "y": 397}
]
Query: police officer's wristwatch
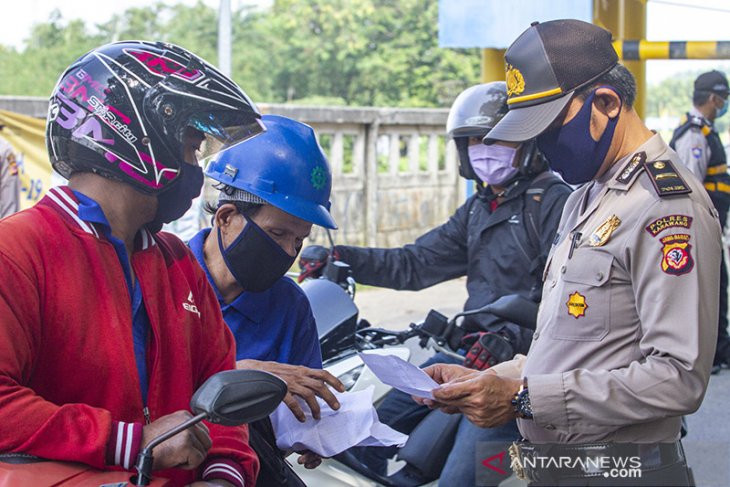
[{"x": 521, "y": 402}]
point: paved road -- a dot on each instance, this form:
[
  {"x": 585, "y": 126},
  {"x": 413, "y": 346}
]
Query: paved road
[{"x": 707, "y": 443}]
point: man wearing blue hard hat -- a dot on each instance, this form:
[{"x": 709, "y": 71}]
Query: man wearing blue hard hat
[{"x": 271, "y": 194}]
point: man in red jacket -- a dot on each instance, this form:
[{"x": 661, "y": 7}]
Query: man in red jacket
[{"x": 107, "y": 327}]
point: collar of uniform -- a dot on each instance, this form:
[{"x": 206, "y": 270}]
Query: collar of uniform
[
  {"x": 86, "y": 215},
  {"x": 253, "y": 306},
  {"x": 654, "y": 148}
]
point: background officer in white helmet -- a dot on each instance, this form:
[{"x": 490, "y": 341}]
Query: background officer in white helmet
[{"x": 626, "y": 330}]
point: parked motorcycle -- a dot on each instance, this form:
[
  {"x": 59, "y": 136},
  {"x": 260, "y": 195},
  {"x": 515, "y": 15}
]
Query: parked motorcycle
[
  {"x": 228, "y": 398},
  {"x": 343, "y": 335}
]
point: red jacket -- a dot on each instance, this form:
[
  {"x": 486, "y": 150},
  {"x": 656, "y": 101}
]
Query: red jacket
[{"x": 69, "y": 388}]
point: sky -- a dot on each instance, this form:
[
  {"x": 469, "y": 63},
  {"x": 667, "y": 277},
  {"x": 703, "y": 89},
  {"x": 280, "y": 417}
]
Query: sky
[{"x": 666, "y": 20}]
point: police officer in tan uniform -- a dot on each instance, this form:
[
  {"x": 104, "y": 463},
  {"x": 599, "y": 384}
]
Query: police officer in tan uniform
[
  {"x": 627, "y": 325},
  {"x": 9, "y": 180}
]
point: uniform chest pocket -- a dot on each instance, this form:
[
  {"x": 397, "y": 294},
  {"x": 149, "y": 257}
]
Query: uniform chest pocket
[{"x": 584, "y": 313}]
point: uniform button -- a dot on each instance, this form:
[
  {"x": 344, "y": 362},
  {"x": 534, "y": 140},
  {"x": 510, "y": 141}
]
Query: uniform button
[
  {"x": 562, "y": 270},
  {"x": 536, "y": 335},
  {"x": 549, "y": 427},
  {"x": 553, "y": 283},
  {"x": 599, "y": 276}
]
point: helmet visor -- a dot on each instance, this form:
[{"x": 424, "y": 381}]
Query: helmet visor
[{"x": 224, "y": 129}]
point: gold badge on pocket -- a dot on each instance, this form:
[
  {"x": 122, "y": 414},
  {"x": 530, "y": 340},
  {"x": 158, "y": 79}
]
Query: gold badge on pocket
[
  {"x": 601, "y": 234},
  {"x": 577, "y": 305}
]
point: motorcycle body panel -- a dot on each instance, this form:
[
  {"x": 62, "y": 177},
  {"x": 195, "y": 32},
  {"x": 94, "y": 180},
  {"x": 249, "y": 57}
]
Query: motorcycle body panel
[{"x": 47, "y": 473}]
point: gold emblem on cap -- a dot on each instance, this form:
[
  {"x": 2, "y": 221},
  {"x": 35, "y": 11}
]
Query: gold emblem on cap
[
  {"x": 515, "y": 81},
  {"x": 601, "y": 234},
  {"x": 659, "y": 165}
]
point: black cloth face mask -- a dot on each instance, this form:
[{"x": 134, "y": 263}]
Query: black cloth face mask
[
  {"x": 173, "y": 204},
  {"x": 255, "y": 259}
]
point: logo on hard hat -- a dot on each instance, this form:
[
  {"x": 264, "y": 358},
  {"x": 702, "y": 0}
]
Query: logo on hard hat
[
  {"x": 318, "y": 178},
  {"x": 515, "y": 81}
]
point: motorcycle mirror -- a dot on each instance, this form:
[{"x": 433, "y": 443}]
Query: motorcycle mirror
[
  {"x": 235, "y": 397},
  {"x": 228, "y": 398},
  {"x": 516, "y": 309}
]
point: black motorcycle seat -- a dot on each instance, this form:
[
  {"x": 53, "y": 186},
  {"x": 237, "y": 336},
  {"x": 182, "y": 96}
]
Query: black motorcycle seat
[{"x": 430, "y": 443}]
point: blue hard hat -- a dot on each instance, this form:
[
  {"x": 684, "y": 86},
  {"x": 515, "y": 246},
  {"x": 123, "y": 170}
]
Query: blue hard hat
[{"x": 284, "y": 166}]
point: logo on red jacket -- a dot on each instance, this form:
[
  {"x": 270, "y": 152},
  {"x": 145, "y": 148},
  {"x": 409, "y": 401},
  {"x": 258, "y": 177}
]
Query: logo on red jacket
[{"x": 190, "y": 305}]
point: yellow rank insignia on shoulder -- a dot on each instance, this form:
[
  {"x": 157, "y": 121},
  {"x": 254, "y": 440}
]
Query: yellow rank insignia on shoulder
[
  {"x": 676, "y": 256},
  {"x": 601, "y": 234},
  {"x": 515, "y": 81},
  {"x": 577, "y": 305}
]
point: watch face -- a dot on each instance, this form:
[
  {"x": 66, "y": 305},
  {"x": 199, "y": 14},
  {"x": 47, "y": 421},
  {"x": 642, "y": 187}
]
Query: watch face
[{"x": 523, "y": 404}]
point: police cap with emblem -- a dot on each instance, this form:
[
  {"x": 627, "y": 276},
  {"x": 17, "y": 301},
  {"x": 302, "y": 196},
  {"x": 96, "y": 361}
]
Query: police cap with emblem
[
  {"x": 545, "y": 65},
  {"x": 713, "y": 81}
]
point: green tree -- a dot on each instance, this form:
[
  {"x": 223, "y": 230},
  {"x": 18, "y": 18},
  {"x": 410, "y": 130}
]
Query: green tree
[
  {"x": 354, "y": 52},
  {"x": 365, "y": 52},
  {"x": 672, "y": 97},
  {"x": 50, "y": 49}
]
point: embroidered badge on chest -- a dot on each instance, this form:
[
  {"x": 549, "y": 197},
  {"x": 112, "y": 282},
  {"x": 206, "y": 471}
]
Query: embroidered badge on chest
[
  {"x": 601, "y": 234},
  {"x": 676, "y": 256},
  {"x": 577, "y": 305}
]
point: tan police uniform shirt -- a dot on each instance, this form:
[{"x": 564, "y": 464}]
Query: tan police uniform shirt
[
  {"x": 628, "y": 322},
  {"x": 9, "y": 180}
]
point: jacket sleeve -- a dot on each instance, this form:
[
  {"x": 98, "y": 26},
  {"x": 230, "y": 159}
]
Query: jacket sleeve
[
  {"x": 28, "y": 422},
  {"x": 678, "y": 314},
  {"x": 436, "y": 256},
  {"x": 230, "y": 457}
]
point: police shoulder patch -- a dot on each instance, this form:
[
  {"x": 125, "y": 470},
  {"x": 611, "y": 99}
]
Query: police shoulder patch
[
  {"x": 676, "y": 254},
  {"x": 669, "y": 221},
  {"x": 665, "y": 178}
]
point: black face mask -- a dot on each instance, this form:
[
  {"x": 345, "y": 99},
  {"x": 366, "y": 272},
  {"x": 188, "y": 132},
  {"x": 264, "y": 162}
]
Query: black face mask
[
  {"x": 255, "y": 259},
  {"x": 173, "y": 203}
]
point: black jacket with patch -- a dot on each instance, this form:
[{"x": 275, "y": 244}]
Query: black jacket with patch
[{"x": 501, "y": 252}]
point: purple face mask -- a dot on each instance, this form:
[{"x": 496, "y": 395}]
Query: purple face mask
[{"x": 493, "y": 163}]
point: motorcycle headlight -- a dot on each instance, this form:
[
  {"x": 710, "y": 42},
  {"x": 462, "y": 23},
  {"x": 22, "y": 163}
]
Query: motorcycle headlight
[{"x": 350, "y": 377}]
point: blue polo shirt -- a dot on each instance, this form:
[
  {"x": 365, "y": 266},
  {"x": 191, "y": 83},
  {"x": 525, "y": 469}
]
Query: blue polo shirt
[
  {"x": 91, "y": 212},
  {"x": 275, "y": 325}
]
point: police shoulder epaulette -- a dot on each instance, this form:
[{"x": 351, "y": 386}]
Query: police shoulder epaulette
[
  {"x": 696, "y": 120},
  {"x": 665, "y": 178},
  {"x": 632, "y": 167},
  {"x": 701, "y": 123}
]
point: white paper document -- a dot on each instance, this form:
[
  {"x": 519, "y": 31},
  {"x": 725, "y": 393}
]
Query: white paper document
[
  {"x": 354, "y": 424},
  {"x": 402, "y": 375}
]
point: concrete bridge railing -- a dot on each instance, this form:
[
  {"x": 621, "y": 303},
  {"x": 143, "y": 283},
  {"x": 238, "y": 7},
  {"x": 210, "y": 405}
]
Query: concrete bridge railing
[{"x": 395, "y": 174}]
